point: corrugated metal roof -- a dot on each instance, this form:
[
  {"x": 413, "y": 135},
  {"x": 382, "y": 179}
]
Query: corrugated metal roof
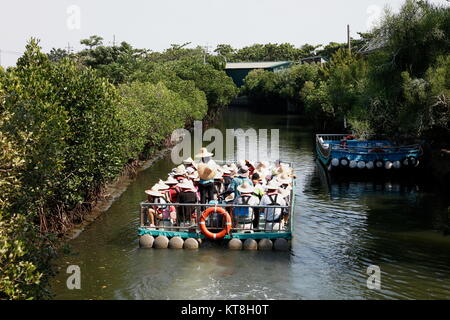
[{"x": 255, "y": 65}]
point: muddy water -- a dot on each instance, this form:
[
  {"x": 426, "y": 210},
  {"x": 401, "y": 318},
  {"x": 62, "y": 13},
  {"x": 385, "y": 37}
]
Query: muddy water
[{"x": 341, "y": 227}]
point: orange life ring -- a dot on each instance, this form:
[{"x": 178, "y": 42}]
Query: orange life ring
[{"x": 209, "y": 234}]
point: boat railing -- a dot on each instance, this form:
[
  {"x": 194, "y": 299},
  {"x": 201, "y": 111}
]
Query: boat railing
[
  {"x": 325, "y": 148},
  {"x": 188, "y": 218},
  {"x": 330, "y": 137},
  {"x": 375, "y": 148}
]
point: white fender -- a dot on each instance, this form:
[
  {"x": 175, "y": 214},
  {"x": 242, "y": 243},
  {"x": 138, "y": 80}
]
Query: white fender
[{"x": 388, "y": 165}]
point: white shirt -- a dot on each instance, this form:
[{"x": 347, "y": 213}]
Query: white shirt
[
  {"x": 253, "y": 201},
  {"x": 271, "y": 214}
]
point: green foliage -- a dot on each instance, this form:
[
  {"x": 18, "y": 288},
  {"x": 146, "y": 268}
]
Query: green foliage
[
  {"x": 21, "y": 261},
  {"x": 317, "y": 101},
  {"x": 115, "y": 63},
  {"x": 402, "y": 88},
  {"x": 218, "y": 87},
  {"x": 268, "y": 52},
  {"x": 64, "y": 118},
  {"x": 262, "y": 86},
  {"x": 271, "y": 87},
  {"x": 150, "y": 112}
]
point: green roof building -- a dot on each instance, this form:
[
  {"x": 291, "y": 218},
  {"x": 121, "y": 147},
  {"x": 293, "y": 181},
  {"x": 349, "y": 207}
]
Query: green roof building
[{"x": 239, "y": 70}]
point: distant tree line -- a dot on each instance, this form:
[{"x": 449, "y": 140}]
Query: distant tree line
[{"x": 401, "y": 88}]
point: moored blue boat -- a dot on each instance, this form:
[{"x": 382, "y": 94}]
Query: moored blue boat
[{"x": 341, "y": 151}]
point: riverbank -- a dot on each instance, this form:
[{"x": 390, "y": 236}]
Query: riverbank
[{"x": 111, "y": 192}]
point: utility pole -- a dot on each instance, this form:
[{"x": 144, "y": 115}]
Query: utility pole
[
  {"x": 206, "y": 52},
  {"x": 349, "y": 43},
  {"x": 114, "y": 40},
  {"x": 69, "y": 48}
]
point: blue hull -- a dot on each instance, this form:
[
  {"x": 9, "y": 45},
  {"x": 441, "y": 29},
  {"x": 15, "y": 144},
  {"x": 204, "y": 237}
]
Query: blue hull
[{"x": 337, "y": 153}]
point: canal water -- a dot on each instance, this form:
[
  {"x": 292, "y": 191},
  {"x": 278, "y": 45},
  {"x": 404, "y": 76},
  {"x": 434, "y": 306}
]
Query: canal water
[{"x": 341, "y": 228}]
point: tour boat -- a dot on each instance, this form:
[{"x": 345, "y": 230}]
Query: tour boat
[
  {"x": 215, "y": 222},
  {"x": 344, "y": 152}
]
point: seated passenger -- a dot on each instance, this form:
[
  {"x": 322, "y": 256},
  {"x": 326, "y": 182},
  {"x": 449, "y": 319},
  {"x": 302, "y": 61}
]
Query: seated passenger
[
  {"x": 173, "y": 189},
  {"x": 226, "y": 176},
  {"x": 188, "y": 194},
  {"x": 259, "y": 192},
  {"x": 273, "y": 216},
  {"x": 240, "y": 179},
  {"x": 189, "y": 163},
  {"x": 285, "y": 186},
  {"x": 243, "y": 216},
  {"x": 180, "y": 173},
  {"x": 164, "y": 189},
  {"x": 218, "y": 184},
  {"x": 157, "y": 213},
  {"x": 257, "y": 182}
]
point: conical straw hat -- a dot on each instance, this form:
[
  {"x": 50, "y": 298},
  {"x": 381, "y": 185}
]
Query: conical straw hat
[
  {"x": 180, "y": 170},
  {"x": 162, "y": 185},
  {"x": 230, "y": 197},
  {"x": 284, "y": 178},
  {"x": 246, "y": 188},
  {"x": 193, "y": 175},
  {"x": 204, "y": 153},
  {"x": 272, "y": 185},
  {"x": 187, "y": 184},
  {"x": 206, "y": 172},
  {"x": 188, "y": 161},
  {"x": 171, "y": 180},
  {"x": 243, "y": 172},
  {"x": 154, "y": 192},
  {"x": 226, "y": 169}
]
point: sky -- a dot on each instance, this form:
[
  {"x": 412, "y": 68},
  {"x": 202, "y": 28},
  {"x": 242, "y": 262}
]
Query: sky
[{"x": 156, "y": 24}]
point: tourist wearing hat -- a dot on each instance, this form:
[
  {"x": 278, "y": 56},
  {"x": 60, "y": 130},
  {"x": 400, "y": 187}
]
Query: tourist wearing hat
[
  {"x": 273, "y": 216},
  {"x": 251, "y": 167},
  {"x": 189, "y": 163},
  {"x": 173, "y": 188},
  {"x": 226, "y": 176},
  {"x": 180, "y": 173},
  {"x": 159, "y": 212},
  {"x": 218, "y": 182},
  {"x": 204, "y": 155},
  {"x": 258, "y": 183},
  {"x": 244, "y": 216},
  {"x": 243, "y": 176},
  {"x": 164, "y": 189},
  {"x": 206, "y": 173},
  {"x": 285, "y": 185},
  {"x": 188, "y": 194}
]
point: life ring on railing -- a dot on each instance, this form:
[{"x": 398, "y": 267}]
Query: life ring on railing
[{"x": 204, "y": 229}]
